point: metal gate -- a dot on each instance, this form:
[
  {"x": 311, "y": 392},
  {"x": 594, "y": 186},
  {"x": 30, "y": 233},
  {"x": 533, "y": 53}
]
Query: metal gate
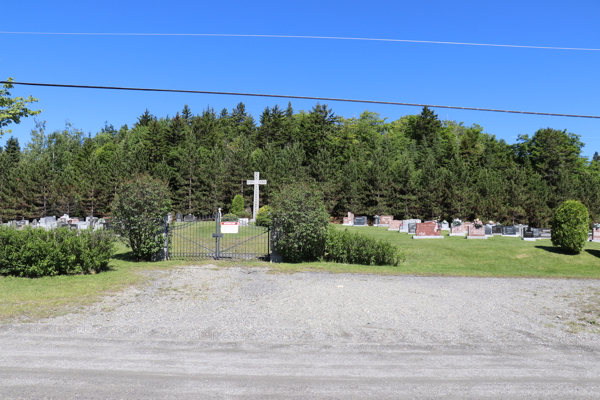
[{"x": 207, "y": 237}]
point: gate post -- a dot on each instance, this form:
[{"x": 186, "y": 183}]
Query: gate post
[
  {"x": 166, "y": 243},
  {"x": 218, "y": 235}
]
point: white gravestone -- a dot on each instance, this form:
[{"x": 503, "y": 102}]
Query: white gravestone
[{"x": 256, "y": 182}]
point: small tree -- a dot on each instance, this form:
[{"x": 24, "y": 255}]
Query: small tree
[
  {"x": 263, "y": 216},
  {"x": 570, "y": 226},
  {"x": 237, "y": 205},
  {"x": 138, "y": 211},
  {"x": 299, "y": 220}
]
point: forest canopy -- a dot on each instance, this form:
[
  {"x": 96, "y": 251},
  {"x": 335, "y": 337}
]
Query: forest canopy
[{"x": 415, "y": 167}]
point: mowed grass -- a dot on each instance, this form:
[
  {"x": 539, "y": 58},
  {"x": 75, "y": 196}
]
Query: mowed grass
[
  {"x": 494, "y": 257},
  {"x": 23, "y": 299}
]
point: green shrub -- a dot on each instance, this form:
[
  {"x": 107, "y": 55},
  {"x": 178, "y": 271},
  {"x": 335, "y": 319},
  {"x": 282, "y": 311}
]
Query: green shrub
[
  {"x": 229, "y": 217},
  {"x": 237, "y": 205},
  {"x": 263, "y": 216},
  {"x": 138, "y": 215},
  {"x": 354, "y": 248},
  {"x": 34, "y": 253},
  {"x": 299, "y": 221},
  {"x": 570, "y": 226}
]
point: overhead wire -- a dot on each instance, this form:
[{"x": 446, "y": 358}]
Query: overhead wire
[
  {"x": 394, "y": 103},
  {"x": 300, "y": 37}
]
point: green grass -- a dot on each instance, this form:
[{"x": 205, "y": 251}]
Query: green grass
[
  {"x": 496, "y": 257},
  {"x": 23, "y": 299}
]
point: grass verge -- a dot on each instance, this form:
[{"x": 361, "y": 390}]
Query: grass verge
[{"x": 23, "y": 299}]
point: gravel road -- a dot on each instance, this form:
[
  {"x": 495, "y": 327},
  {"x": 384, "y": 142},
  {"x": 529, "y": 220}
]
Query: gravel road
[{"x": 211, "y": 333}]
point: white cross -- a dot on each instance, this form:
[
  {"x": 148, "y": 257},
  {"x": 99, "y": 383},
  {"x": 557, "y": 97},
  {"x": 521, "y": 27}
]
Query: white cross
[{"x": 256, "y": 182}]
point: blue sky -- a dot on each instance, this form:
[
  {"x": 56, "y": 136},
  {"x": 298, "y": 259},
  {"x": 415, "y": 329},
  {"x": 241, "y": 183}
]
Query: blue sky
[{"x": 555, "y": 81}]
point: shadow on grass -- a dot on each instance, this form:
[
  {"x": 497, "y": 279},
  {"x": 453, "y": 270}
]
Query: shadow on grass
[
  {"x": 556, "y": 250},
  {"x": 595, "y": 253},
  {"x": 128, "y": 256}
]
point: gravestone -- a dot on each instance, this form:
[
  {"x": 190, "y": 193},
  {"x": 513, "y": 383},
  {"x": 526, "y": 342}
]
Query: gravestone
[
  {"x": 427, "y": 230},
  {"x": 406, "y": 222},
  {"x": 595, "y": 233},
  {"x": 497, "y": 230},
  {"x": 189, "y": 218},
  {"x": 531, "y": 234},
  {"x": 243, "y": 221},
  {"x": 394, "y": 225},
  {"x": 476, "y": 233},
  {"x": 488, "y": 230},
  {"x": 444, "y": 226},
  {"x": 545, "y": 233},
  {"x": 412, "y": 228},
  {"x": 385, "y": 220},
  {"x": 376, "y": 220},
  {"x": 178, "y": 217},
  {"x": 349, "y": 220},
  {"x": 360, "y": 221},
  {"x": 458, "y": 230}
]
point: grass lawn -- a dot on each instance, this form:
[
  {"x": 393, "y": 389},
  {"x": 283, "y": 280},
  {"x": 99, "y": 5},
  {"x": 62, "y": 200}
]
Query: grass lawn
[
  {"x": 23, "y": 299},
  {"x": 496, "y": 257}
]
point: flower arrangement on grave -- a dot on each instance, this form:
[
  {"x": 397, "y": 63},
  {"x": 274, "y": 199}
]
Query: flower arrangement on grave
[
  {"x": 477, "y": 223},
  {"x": 457, "y": 222}
]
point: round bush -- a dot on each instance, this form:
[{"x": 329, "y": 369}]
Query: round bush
[
  {"x": 138, "y": 212},
  {"x": 299, "y": 221},
  {"x": 570, "y": 226},
  {"x": 263, "y": 216},
  {"x": 237, "y": 205}
]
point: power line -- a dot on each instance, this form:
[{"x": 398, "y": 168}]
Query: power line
[
  {"x": 300, "y": 37},
  {"x": 393, "y": 103}
]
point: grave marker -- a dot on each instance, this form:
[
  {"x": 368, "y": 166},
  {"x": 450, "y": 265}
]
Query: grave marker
[
  {"x": 256, "y": 182},
  {"x": 394, "y": 225},
  {"x": 360, "y": 221},
  {"x": 595, "y": 233},
  {"x": 427, "y": 230},
  {"x": 412, "y": 227},
  {"x": 385, "y": 220}
]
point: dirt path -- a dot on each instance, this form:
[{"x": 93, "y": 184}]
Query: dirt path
[{"x": 203, "y": 332}]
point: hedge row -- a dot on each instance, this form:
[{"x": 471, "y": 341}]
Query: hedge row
[
  {"x": 354, "y": 248},
  {"x": 34, "y": 253}
]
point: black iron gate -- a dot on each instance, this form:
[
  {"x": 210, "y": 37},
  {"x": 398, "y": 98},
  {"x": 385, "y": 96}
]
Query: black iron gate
[{"x": 207, "y": 237}]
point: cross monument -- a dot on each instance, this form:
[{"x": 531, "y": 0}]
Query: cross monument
[{"x": 256, "y": 182}]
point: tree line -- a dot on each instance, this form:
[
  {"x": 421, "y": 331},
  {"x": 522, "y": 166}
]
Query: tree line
[{"x": 415, "y": 167}]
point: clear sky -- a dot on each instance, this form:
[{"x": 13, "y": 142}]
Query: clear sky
[{"x": 555, "y": 81}]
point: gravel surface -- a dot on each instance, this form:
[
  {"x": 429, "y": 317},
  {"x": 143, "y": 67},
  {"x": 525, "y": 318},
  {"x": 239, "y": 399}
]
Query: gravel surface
[{"x": 205, "y": 332}]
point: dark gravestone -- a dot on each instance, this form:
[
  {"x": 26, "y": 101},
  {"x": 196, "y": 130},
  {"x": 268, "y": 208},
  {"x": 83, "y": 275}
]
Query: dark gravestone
[
  {"x": 497, "y": 230},
  {"x": 178, "y": 217},
  {"x": 360, "y": 221},
  {"x": 189, "y": 218},
  {"x": 532, "y": 232},
  {"x": 509, "y": 230},
  {"x": 412, "y": 228},
  {"x": 488, "y": 230}
]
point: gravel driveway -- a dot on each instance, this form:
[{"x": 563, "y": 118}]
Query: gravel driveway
[{"x": 205, "y": 332}]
